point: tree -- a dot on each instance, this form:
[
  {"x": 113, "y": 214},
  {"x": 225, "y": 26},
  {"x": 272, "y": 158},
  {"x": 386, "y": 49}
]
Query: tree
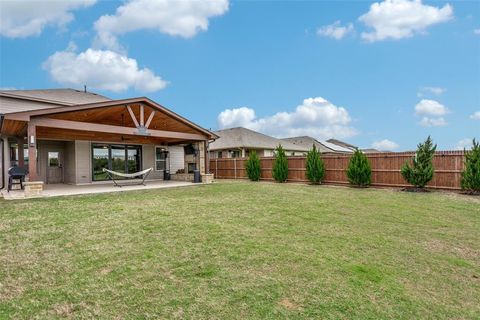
[
  {"x": 280, "y": 165},
  {"x": 359, "y": 171},
  {"x": 471, "y": 174},
  {"x": 253, "y": 166},
  {"x": 421, "y": 171},
  {"x": 315, "y": 169}
]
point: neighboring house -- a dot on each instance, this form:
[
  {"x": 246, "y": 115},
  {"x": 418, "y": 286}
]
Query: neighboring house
[
  {"x": 69, "y": 136},
  {"x": 322, "y": 146},
  {"x": 238, "y": 142}
]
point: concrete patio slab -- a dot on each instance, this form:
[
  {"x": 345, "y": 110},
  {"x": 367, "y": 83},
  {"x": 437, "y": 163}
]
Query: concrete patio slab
[{"x": 55, "y": 190}]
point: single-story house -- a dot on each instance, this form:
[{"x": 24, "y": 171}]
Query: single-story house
[
  {"x": 322, "y": 146},
  {"x": 69, "y": 136},
  {"x": 238, "y": 142}
]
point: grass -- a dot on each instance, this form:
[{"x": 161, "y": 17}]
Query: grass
[{"x": 242, "y": 250}]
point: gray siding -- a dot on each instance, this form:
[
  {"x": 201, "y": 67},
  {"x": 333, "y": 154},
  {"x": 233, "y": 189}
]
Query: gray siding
[
  {"x": 83, "y": 161},
  {"x": 148, "y": 161},
  {"x": 177, "y": 158}
]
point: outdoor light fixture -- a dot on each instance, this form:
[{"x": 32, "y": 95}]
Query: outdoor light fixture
[{"x": 32, "y": 140}]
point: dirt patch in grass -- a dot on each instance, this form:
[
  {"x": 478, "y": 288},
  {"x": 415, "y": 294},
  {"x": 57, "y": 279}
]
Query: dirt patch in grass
[{"x": 288, "y": 304}]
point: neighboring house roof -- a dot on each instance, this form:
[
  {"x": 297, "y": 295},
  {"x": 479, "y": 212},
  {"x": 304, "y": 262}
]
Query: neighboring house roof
[
  {"x": 352, "y": 147},
  {"x": 27, "y": 100},
  {"x": 239, "y": 137},
  {"x": 342, "y": 144},
  {"x": 370, "y": 150},
  {"x": 322, "y": 146}
]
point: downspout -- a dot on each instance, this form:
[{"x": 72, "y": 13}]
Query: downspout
[{"x": 3, "y": 153}]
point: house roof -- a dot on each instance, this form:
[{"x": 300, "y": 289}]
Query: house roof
[
  {"x": 342, "y": 144},
  {"x": 27, "y": 100},
  {"x": 239, "y": 137},
  {"x": 322, "y": 146},
  {"x": 24, "y": 104}
]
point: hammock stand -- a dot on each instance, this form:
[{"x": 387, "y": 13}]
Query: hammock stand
[{"x": 144, "y": 174}]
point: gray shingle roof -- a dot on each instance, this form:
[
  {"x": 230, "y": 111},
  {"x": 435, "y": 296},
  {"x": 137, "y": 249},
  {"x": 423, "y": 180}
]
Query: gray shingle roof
[
  {"x": 323, "y": 146},
  {"x": 245, "y": 138},
  {"x": 27, "y": 100}
]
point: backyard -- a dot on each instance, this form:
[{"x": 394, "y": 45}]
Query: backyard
[{"x": 240, "y": 250}]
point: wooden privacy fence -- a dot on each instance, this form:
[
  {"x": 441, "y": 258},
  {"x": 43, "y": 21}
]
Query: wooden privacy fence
[{"x": 385, "y": 168}]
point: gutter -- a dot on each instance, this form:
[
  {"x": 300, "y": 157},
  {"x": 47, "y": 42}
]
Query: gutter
[{"x": 3, "y": 153}]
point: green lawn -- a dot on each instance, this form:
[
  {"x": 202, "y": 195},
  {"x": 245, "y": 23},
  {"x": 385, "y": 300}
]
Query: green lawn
[{"x": 238, "y": 250}]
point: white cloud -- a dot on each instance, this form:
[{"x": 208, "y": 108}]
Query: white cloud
[
  {"x": 385, "y": 145},
  {"x": 335, "y": 30},
  {"x": 430, "y": 91},
  {"x": 433, "y": 122},
  {"x": 24, "y": 18},
  {"x": 101, "y": 69},
  {"x": 475, "y": 115},
  {"x": 315, "y": 117},
  {"x": 477, "y": 31},
  {"x": 397, "y": 19},
  {"x": 177, "y": 18},
  {"x": 466, "y": 143},
  {"x": 430, "y": 107}
]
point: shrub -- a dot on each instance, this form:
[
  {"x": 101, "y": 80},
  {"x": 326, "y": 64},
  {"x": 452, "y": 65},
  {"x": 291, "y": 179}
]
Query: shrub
[
  {"x": 253, "y": 166},
  {"x": 471, "y": 174},
  {"x": 421, "y": 171},
  {"x": 359, "y": 171},
  {"x": 315, "y": 169},
  {"x": 280, "y": 165}
]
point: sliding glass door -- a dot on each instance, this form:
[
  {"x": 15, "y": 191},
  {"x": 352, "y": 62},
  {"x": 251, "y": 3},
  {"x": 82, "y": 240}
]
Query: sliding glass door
[{"x": 117, "y": 157}]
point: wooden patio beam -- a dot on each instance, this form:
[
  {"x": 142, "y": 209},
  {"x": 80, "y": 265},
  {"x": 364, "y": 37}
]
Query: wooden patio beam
[
  {"x": 133, "y": 116},
  {"x": 77, "y": 125}
]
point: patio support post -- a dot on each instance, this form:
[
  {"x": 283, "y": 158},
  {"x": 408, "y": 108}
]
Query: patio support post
[
  {"x": 21, "y": 155},
  {"x": 32, "y": 152},
  {"x": 207, "y": 157}
]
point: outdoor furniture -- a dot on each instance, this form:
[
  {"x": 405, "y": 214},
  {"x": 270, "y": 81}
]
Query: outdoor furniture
[
  {"x": 143, "y": 174},
  {"x": 16, "y": 176}
]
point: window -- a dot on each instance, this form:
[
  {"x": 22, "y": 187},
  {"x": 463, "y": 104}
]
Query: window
[
  {"x": 219, "y": 154},
  {"x": 160, "y": 158},
  {"x": 14, "y": 154},
  {"x": 53, "y": 159},
  {"x": 235, "y": 154},
  {"x": 118, "y": 157}
]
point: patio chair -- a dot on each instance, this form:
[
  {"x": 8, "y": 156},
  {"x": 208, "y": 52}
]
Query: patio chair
[{"x": 143, "y": 174}]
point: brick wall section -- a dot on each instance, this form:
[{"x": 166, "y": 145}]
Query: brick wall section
[{"x": 385, "y": 168}]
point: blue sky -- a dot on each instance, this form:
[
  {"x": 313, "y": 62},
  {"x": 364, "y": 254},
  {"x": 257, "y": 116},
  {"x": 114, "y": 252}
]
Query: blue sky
[{"x": 383, "y": 74}]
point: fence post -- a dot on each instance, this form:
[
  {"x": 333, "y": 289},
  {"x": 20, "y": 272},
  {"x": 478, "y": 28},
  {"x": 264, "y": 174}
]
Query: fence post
[
  {"x": 216, "y": 168},
  {"x": 235, "y": 167}
]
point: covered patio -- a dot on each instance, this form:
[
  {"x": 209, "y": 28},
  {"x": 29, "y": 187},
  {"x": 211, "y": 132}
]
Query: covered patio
[
  {"x": 71, "y": 145},
  {"x": 55, "y": 190}
]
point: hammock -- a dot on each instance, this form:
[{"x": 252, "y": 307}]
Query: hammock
[{"x": 144, "y": 174}]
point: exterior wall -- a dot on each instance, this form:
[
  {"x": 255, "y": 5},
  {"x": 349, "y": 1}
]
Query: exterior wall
[
  {"x": 69, "y": 175},
  {"x": 268, "y": 153},
  {"x": 83, "y": 161},
  {"x": 148, "y": 161},
  {"x": 177, "y": 158}
]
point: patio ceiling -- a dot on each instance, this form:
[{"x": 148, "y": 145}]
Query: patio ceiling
[{"x": 138, "y": 120}]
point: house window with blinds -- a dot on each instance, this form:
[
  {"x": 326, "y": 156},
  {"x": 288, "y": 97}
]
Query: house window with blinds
[{"x": 160, "y": 158}]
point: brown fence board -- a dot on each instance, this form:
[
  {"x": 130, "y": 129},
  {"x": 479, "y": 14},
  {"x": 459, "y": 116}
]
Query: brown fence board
[{"x": 385, "y": 168}]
